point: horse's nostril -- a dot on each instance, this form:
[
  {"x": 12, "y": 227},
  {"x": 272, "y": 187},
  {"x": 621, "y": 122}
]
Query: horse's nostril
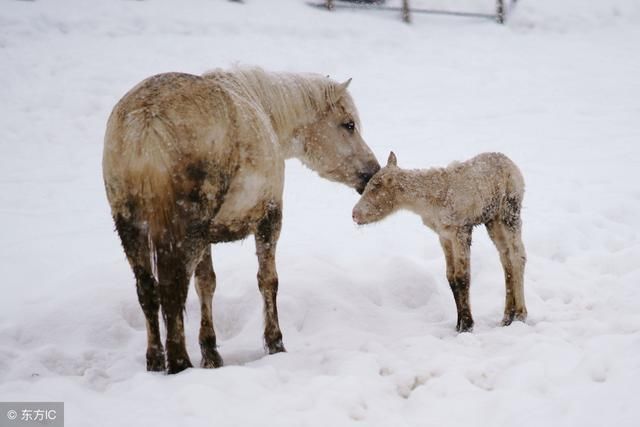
[
  {"x": 369, "y": 171},
  {"x": 365, "y": 176}
]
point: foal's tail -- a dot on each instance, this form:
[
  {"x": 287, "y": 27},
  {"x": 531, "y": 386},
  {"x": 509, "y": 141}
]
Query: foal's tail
[{"x": 514, "y": 194}]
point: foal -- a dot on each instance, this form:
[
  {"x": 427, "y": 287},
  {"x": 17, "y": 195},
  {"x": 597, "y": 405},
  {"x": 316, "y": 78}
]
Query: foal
[{"x": 487, "y": 189}]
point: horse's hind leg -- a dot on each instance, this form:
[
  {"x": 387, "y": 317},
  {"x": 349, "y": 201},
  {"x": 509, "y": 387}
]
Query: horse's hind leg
[
  {"x": 266, "y": 239},
  {"x": 508, "y": 240},
  {"x": 173, "y": 285},
  {"x": 136, "y": 246},
  {"x": 206, "y": 286}
]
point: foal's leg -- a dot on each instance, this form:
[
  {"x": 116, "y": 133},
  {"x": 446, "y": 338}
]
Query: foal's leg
[
  {"x": 136, "y": 246},
  {"x": 205, "y": 287},
  {"x": 448, "y": 256},
  {"x": 508, "y": 241},
  {"x": 173, "y": 287},
  {"x": 266, "y": 240},
  {"x": 457, "y": 252}
]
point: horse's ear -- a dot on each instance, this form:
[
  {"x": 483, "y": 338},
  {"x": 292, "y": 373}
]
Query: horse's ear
[
  {"x": 345, "y": 85},
  {"x": 392, "y": 160},
  {"x": 340, "y": 90}
]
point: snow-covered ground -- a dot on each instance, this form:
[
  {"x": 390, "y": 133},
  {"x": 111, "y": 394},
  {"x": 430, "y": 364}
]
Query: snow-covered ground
[{"x": 367, "y": 315}]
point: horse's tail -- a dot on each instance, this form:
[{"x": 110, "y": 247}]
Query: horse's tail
[{"x": 140, "y": 155}]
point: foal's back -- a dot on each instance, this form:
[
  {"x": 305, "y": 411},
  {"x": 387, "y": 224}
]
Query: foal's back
[{"x": 483, "y": 188}]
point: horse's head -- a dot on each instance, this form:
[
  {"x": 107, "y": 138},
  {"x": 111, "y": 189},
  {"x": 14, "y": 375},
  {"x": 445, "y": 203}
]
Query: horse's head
[{"x": 332, "y": 144}]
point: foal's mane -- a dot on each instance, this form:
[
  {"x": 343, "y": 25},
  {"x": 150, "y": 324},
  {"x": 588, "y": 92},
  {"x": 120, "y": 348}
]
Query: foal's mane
[{"x": 287, "y": 98}]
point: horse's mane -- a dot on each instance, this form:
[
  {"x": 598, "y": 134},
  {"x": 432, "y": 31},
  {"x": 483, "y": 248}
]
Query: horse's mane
[{"x": 285, "y": 97}]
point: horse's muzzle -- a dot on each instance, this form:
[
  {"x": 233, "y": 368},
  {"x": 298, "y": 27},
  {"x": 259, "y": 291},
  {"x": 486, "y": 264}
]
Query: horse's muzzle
[
  {"x": 361, "y": 186},
  {"x": 364, "y": 178}
]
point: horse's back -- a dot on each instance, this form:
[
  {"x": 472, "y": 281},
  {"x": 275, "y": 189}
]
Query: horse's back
[
  {"x": 188, "y": 113},
  {"x": 167, "y": 139},
  {"x": 180, "y": 148}
]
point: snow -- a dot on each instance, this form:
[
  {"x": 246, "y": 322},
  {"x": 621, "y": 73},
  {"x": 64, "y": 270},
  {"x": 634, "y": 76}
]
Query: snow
[{"x": 367, "y": 316}]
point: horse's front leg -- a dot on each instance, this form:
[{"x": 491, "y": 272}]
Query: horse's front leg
[{"x": 266, "y": 240}]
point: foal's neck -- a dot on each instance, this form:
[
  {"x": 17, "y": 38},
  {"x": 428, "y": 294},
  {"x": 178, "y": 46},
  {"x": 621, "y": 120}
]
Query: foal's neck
[{"x": 422, "y": 188}]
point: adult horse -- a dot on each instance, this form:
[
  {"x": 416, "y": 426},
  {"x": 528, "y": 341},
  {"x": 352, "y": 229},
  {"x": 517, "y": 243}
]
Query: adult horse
[{"x": 194, "y": 160}]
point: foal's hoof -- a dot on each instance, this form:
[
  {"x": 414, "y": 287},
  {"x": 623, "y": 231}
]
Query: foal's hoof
[
  {"x": 211, "y": 360},
  {"x": 179, "y": 365},
  {"x": 155, "y": 361},
  {"x": 511, "y": 316},
  {"x": 276, "y": 347}
]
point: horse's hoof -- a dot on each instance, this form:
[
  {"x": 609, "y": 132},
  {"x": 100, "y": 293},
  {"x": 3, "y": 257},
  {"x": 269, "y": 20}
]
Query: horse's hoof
[
  {"x": 276, "y": 347},
  {"x": 179, "y": 365},
  {"x": 465, "y": 325},
  {"x": 155, "y": 361},
  {"x": 210, "y": 356},
  {"x": 211, "y": 360}
]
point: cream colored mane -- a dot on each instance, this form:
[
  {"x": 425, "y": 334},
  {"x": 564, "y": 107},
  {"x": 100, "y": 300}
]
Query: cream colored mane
[{"x": 287, "y": 98}]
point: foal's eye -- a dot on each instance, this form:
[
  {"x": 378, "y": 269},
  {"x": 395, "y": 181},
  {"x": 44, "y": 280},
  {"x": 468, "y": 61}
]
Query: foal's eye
[{"x": 350, "y": 126}]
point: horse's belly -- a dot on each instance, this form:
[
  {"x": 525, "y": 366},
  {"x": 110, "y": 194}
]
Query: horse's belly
[
  {"x": 245, "y": 204},
  {"x": 229, "y": 229},
  {"x": 231, "y": 232}
]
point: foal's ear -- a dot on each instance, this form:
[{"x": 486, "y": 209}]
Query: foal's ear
[{"x": 392, "y": 160}]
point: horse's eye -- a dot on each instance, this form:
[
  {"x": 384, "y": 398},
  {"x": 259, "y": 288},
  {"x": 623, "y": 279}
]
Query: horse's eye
[{"x": 350, "y": 126}]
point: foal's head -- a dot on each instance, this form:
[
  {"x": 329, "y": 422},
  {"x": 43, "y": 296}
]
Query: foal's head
[
  {"x": 332, "y": 144},
  {"x": 380, "y": 198}
]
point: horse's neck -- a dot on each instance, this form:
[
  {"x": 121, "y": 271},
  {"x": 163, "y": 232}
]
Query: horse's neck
[{"x": 289, "y": 104}]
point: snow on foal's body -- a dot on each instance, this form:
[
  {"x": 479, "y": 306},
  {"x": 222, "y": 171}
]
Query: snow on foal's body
[
  {"x": 194, "y": 160},
  {"x": 487, "y": 189}
]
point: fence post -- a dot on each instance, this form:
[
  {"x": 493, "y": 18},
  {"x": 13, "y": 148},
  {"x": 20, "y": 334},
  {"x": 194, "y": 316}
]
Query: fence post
[
  {"x": 406, "y": 17},
  {"x": 500, "y": 11}
]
